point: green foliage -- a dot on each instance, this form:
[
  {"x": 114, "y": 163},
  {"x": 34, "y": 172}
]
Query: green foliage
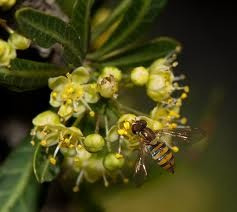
[
  {"x": 66, "y": 6},
  {"x": 24, "y": 75},
  {"x": 142, "y": 54},
  {"x": 19, "y": 190},
  {"x": 115, "y": 15},
  {"x": 138, "y": 17},
  {"x": 81, "y": 21},
  {"x": 124, "y": 47},
  {"x": 44, "y": 171},
  {"x": 46, "y": 30}
]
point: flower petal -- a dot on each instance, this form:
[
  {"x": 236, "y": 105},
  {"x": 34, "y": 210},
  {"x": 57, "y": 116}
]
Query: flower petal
[
  {"x": 56, "y": 82},
  {"x": 80, "y": 75},
  {"x": 91, "y": 94}
]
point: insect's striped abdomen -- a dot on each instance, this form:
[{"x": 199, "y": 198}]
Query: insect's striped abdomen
[{"x": 163, "y": 155}]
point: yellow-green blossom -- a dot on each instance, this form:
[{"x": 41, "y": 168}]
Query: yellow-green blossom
[
  {"x": 72, "y": 95},
  {"x": 7, "y": 53},
  {"x": 7, "y": 4}
]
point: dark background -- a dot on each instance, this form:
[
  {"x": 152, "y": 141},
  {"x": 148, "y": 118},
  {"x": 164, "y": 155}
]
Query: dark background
[{"x": 207, "y": 181}]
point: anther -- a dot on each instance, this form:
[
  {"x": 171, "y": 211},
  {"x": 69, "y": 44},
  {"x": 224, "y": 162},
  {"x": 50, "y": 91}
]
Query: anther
[{"x": 52, "y": 160}]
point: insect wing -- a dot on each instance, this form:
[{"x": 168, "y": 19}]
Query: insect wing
[
  {"x": 140, "y": 173},
  {"x": 182, "y": 135}
]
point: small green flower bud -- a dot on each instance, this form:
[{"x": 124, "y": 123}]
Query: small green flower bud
[
  {"x": 7, "y": 53},
  {"x": 139, "y": 76},
  {"x": 46, "y": 118},
  {"x": 113, "y": 161},
  {"x": 159, "y": 87},
  {"x": 18, "y": 41},
  {"x": 108, "y": 87},
  {"x": 94, "y": 143},
  {"x": 94, "y": 169},
  {"x": 110, "y": 70}
]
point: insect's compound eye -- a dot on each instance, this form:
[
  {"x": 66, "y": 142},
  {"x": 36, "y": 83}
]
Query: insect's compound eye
[{"x": 138, "y": 126}]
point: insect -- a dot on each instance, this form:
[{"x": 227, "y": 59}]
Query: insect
[{"x": 157, "y": 143}]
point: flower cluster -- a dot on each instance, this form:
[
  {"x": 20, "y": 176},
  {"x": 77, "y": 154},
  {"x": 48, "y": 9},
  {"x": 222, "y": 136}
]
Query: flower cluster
[
  {"x": 8, "y": 48},
  {"x": 164, "y": 89},
  {"x": 92, "y": 130},
  {"x": 7, "y": 4}
]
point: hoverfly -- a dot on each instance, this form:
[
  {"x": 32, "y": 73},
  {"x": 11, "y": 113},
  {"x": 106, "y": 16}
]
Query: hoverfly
[{"x": 159, "y": 144}]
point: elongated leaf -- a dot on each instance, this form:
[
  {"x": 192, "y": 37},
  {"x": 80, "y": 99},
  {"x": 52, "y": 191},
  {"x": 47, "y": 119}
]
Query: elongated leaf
[
  {"x": 18, "y": 188},
  {"x": 44, "y": 171},
  {"x": 115, "y": 15},
  {"x": 144, "y": 54},
  {"x": 46, "y": 30},
  {"x": 66, "y": 6},
  {"x": 137, "y": 19},
  {"x": 81, "y": 21},
  {"x": 26, "y": 75}
]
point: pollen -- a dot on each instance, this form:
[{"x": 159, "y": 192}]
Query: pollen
[
  {"x": 174, "y": 114},
  {"x": 70, "y": 90},
  {"x": 54, "y": 94},
  {"x": 75, "y": 188},
  {"x": 173, "y": 125},
  {"x": 184, "y": 96},
  {"x": 69, "y": 101},
  {"x": 122, "y": 132},
  {"x": 118, "y": 156},
  {"x": 186, "y": 89},
  {"x": 68, "y": 75},
  {"x": 175, "y": 148},
  {"x": 43, "y": 143},
  {"x": 183, "y": 120},
  {"x": 79, "y": 146},
  {"x": 76, "y": 159},
  {"x": 71, "y": 146},
  {"x": 52, "y": 160},
  {"x": 66, "y": 141},
  {"x": 92, "y": 113},
  {"x": 126, "y": 125}
]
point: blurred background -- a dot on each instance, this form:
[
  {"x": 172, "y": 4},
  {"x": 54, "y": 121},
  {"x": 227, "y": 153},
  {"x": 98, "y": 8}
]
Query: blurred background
[{"x": 205, "y": 178}]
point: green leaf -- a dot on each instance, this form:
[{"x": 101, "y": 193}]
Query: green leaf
[
  {"x": 115, "y": 15},
  {"x": 144, "y": 54},
  {"x": 137, "y": 19},
  {"x": 24, "y": 75},
  {"x": 18, "y": 188},
  {"x": 66, "y": 6},
  {"x": 81, "y": 21},
  {"x": 44, "y": 171},
  {"x": 46, "y": 30}
]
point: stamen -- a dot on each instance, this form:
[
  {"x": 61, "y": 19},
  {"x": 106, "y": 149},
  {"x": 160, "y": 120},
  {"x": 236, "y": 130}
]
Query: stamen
[
  {"x": 92, "y": 113},
  {"x": 78, "y": 181},
  {"x": 125, "y": 179},
  {"x": 43, "y": 143},
  {"x": 106, "y": 183},
  {"x": 52, "y": 160}
]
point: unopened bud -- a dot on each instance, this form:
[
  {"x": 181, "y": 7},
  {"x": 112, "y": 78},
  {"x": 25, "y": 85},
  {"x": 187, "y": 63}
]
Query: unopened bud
[
  {"x": 139, "y": 76},
  {"x": 113, "y": 161},
  {"x": 94, "y": 143},
  {"x": 18, "y": 41},
  {"x": 108, "y": 87}
]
